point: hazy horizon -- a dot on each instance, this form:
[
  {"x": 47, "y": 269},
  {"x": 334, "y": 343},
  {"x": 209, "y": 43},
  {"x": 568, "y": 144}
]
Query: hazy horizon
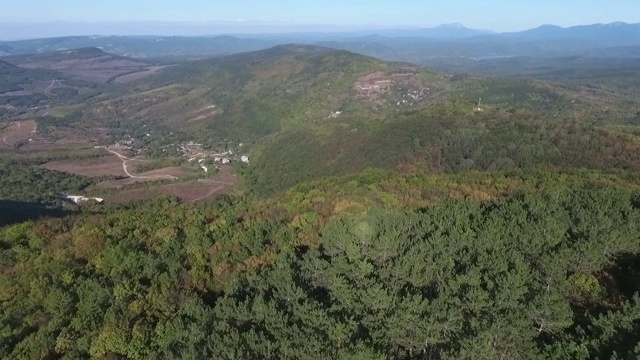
[
  {"x": 35, "y": 30},
  {"x": 42, "y": 18}
]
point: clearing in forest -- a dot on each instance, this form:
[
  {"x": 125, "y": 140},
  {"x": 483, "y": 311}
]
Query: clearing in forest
[
  {"x": 17, "y": 132},
  {"x": 199, "y": 191}
]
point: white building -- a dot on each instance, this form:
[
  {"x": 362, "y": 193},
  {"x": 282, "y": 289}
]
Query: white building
[
  {"x": 80, "y": 199},
  {"x": 245, "y": 159},
  {"x": 226, "y": 161}
]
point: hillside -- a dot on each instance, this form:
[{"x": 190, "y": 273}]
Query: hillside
[
  {"x": 12, "y": 77},
  {"x": 87, "y": 64},
  {"x": 139, "y": 46},
  {"x": 22, "y": 89},
  {"x": 6, "y": 68},
  {"x": 250, "y": 96},
  {"x": 308, "y": 112},
  {"x": 32, "y": 83},
  {"x": 61, "y": 55}
]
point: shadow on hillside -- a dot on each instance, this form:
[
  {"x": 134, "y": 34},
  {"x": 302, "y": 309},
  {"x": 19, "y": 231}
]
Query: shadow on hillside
[{"x": 12, "y": 212}]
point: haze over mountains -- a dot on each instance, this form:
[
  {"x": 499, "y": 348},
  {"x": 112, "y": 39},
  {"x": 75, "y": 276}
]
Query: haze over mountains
[{"x": 389, "y": 44}]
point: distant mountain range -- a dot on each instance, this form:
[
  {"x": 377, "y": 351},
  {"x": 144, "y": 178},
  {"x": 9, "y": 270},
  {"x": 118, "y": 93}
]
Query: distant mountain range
[
  {"x": 411, "y": 45},
  {"x": 614, "y": 34},
  {"x": 446, "y": 31}
]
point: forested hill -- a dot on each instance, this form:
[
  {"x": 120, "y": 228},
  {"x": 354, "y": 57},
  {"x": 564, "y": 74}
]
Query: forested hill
[
  {"x": 6, "y": 67},
  {"x": 544, "y": 274},
  {"x": 309, "y": 112},
  {"x": 252, "y": 95},
  {"x": 70, "y": 55}
]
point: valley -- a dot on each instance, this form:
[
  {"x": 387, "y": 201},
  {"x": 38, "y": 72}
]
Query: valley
[
  {"x": 314, "y": 112},
  {"x": 263, "y": 199}
]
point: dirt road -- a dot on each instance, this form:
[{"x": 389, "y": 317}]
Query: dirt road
[
  {"x": 124, "y": 167},
  {"x": 15, "y": 132}
]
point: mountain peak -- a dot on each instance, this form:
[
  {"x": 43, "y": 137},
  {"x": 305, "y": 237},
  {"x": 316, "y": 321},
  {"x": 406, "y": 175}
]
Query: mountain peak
[
  {"x": 451, "y": 26},
  {"x": 617, "y": 23},
  {"x": 549, "y": 26}
]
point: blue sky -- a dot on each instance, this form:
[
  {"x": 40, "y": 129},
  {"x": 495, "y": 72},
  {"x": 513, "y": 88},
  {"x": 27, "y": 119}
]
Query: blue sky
[{"x": 499, "y": 15}]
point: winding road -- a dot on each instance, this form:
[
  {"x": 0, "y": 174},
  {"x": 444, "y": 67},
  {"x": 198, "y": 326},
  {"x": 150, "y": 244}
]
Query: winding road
[
  {"x": 47, "y": 89},
  {"x": 124, "y": 167},
  {"x": 4, "y": 139}
]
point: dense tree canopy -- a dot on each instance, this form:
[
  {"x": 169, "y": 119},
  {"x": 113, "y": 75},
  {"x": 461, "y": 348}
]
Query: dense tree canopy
[{"x": 536, "y": 275}]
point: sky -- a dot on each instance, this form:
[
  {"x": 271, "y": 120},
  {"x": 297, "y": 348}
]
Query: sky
[{"x": 106, "y": 17}]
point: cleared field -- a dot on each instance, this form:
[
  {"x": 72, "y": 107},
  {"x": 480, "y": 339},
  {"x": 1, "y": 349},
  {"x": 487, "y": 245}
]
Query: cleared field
[
  {"x": 115, "y": 164},
  {"x": 138, "y": 75},
  {"x": 102, "y": 166},
  {"x": 154, "y": 175},
  {"x": 194, "y": 191},
  {"x": 205, "y": 189},
  {"x": 98, "y": 69},
  {"x": 17, "y": 132}
]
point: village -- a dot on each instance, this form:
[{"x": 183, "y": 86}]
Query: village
[
  {"x": 193, "y": 152},
  {"x": 191, "y": 170}
]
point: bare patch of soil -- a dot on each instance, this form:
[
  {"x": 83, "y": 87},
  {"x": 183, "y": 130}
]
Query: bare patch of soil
[
  {"x": 193, "y": 191},
  {"x": 205, "y": 113},
  {"x": 17, "y": 132},
  {"x": 205, "y": 189},
  {"x": 102, "y": 166},
  {"x": 375, "y": 86}
]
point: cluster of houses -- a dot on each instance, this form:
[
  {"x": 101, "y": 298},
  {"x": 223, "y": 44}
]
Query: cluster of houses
[
  {"x": 223, "y": 160},
  {"x": 415, "y": 95},
  {"x": 219, "y": 159},
  {"x": 125, "y": 143},
  {"x": 377, "y": 86},
  {"x": 194, "y": 152},
  {"x": 418, "y": 95}
]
